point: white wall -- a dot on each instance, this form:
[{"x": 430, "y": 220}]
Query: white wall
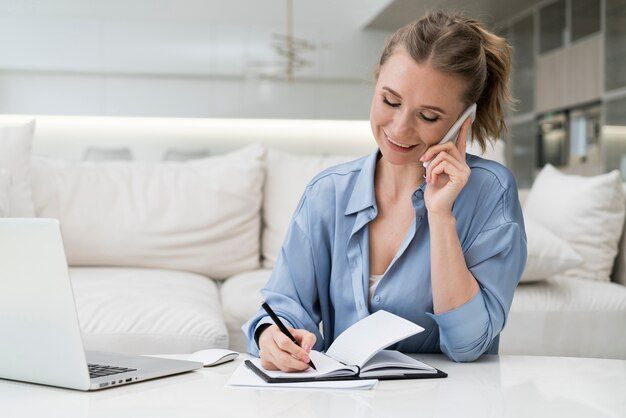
[
  {"x": 93, "y": 65},
  {"x": 146, "y": 95}
]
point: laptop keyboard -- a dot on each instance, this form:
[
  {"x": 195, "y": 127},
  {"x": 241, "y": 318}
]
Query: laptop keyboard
[{"x": 99, "y": 370}]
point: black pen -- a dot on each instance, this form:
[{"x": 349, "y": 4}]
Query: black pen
[{"x": 283, "y": 328}]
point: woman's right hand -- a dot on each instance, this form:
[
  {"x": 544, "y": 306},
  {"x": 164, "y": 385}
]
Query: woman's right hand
[{"x": 278, "y": 352}]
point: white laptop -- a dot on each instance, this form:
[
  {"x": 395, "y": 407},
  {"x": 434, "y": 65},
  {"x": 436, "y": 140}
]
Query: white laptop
[{"x": 39, "y": 331}]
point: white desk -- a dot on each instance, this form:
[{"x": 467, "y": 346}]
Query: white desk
[{"x": 494, "y": 386}]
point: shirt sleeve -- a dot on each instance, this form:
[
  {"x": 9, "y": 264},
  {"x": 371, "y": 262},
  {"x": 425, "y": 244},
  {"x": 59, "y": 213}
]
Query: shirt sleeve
[
  {"x": 496, "y": 259},
  {"x": 291, "y": 290}
]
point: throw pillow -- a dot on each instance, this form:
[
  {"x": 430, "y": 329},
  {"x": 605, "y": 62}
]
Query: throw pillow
[
  {"x": 201, "y": 216},
  {"x": 15, "y": 148},
  {"x": 547, "y": 254},
  {"x": 587, "y": 212},
  {"x": 286, "y": 178}
]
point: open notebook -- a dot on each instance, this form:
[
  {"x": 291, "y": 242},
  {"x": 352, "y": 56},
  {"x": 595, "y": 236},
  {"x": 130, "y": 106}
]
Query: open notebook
[{"x": 358, "y": 353}]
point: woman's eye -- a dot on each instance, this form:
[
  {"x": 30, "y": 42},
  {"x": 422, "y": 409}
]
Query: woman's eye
[
  {"x": 392, "y": 104},
  {"x": 429, "y": 118}
]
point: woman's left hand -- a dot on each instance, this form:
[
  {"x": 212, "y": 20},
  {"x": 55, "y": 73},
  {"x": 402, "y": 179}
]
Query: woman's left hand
[{"x": 447, "y": 173}]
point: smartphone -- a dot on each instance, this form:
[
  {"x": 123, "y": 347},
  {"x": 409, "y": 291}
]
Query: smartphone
[{"x": 453, "y": 133}]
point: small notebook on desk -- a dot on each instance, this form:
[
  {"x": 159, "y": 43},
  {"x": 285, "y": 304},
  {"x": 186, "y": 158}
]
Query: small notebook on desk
[{"x": 359, "y": 353}]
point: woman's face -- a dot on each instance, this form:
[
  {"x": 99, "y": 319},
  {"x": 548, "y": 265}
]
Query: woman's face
[{"x": 414, "y": 106}]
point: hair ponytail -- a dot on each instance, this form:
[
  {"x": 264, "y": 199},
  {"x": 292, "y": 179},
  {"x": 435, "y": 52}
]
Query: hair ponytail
[
  {"x": 495, "y": 96},
  {"x": 462, "y": 46}
]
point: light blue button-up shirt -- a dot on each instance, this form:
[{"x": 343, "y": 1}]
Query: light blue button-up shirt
[{"x": 322, "y": 272}]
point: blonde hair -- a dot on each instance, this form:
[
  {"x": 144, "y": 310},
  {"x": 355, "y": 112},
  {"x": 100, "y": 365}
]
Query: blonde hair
[{"x": 459, "y": 45}]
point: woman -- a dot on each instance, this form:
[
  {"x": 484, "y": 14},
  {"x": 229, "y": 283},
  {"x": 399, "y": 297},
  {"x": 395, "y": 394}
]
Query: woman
[{"x": 442, "y": 246}]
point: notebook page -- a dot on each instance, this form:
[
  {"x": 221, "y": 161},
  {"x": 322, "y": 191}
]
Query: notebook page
[
  {"x": 391, "y": 358},
  {"x": 361, "y": 341},
  {"x": 390, "y": 362},
  {"x": 325, "y": 365}
]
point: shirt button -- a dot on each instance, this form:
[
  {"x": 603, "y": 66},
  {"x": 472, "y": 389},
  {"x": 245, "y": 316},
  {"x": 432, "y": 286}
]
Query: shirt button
[{"x": 377, "y": 298}]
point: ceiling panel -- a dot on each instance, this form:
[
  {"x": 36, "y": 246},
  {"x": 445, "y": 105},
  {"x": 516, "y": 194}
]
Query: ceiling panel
[
  {"x": 217, "y": 37},
  {"x": 493, "y": 12}
]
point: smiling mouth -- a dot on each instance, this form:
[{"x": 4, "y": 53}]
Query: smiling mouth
[{"x": 398, "y": 144}]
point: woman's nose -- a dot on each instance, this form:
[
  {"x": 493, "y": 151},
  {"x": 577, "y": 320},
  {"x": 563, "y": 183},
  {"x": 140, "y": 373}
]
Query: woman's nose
[{"x": 402, "y": 126}]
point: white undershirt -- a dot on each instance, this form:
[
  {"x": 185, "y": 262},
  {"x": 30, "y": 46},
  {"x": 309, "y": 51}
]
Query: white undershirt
[{"x": 374, "y": 280}]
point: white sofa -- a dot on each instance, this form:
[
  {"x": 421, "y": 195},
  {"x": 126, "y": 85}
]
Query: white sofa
[{"x": 169, "y": 256}]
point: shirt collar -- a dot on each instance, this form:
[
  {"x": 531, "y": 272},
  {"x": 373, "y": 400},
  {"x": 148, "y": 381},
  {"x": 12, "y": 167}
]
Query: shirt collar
[{"x": 362, "y": 196}]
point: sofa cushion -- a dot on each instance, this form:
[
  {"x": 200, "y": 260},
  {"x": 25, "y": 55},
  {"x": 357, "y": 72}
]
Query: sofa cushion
[
  {"x": 287, "y": 177},
  {"x": 241, "y": 298},
  {"x": 201, "y": 216},
  {"x": 587, "y": 212},
  {"x": 567, "y": 317},
  {"x": 15, "y": 147},
  {"x": 619, "y": 269},
  {"x": 145, "y": 311},
  {"x": 547, "y": 254}
]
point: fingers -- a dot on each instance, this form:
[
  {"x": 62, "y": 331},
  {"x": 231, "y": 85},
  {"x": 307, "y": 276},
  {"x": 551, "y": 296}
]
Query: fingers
[
  {"x": 456, "y": 149},
  {"x": 449, "y": 149},
  {"x": 435, "y": 150},
  {"x": 458, "y": 171},
  {"x": 277, "y": 351},
  {"x": 450, "y": 155},
  {"x": 282, "y": 361},
  {"x": 305, "y": 338},
  {"x": 456, "y": 175}
]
